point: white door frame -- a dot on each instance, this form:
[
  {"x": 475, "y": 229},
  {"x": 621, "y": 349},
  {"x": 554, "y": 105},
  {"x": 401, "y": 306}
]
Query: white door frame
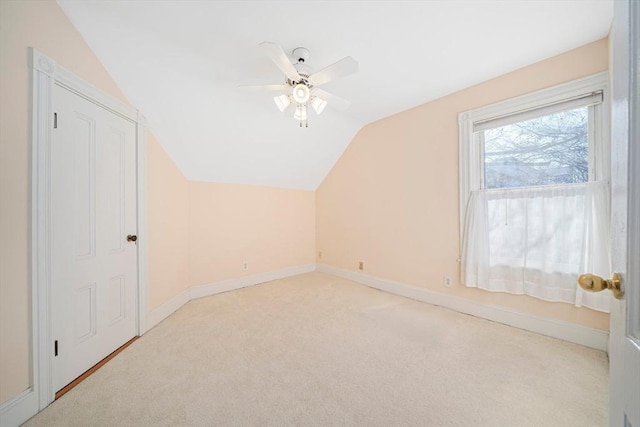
[{"x": 45, "y": 74}]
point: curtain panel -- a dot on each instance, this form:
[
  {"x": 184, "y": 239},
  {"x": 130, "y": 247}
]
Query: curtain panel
[{"x": 537, "y": 240}]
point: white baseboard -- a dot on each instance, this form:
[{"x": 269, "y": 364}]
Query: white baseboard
[
  {"x": 158, "y": 314},
  {"x": 583, "y": 335},
  {"x": 243, "y": 282},
  {"x": 19, "y": 409}
]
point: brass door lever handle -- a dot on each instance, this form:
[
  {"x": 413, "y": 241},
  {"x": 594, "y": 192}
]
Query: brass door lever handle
[{"x": 593, "y": 283}]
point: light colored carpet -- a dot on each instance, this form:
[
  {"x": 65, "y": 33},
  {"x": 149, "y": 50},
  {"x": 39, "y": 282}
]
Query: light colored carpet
[{"x": 317, "y": 350}]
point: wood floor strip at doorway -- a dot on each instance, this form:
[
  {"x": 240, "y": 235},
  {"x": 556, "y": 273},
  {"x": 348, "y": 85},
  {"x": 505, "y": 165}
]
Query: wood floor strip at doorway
[{"x": 91, "y": 370}]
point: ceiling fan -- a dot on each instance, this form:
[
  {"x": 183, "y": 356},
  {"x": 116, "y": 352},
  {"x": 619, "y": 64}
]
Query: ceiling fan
[{"x": 300, "y": 89}]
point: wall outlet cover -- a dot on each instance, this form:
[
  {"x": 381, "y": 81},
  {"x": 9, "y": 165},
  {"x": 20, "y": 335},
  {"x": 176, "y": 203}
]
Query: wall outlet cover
[{"x": 447, "y": 282}]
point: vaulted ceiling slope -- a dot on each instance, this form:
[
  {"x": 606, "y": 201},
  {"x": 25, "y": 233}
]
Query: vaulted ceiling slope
[{"x": 181, "y": 62}]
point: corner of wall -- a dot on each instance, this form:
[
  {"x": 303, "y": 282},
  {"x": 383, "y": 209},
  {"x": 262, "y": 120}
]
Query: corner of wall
[{"x": 168, "y": 222}]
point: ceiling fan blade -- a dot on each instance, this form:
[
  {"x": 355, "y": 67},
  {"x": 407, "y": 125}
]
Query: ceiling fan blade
[
  {"x": 342, "y": 68},
  {"x": 265, "y": 88},
  {"x": 277, "y": 55},
  {"x": 333, "y": 100}
]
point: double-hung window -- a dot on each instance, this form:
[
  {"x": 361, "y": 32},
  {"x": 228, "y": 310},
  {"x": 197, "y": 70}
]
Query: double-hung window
[{"x": 534, "y": 193}]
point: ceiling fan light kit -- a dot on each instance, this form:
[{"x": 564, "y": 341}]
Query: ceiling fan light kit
[
  {"x": 301, "y": 114},
  {"x": 318, "y": 104},
  {"x": 301, "y": 86},
  {"x": 282, "y": 101}
]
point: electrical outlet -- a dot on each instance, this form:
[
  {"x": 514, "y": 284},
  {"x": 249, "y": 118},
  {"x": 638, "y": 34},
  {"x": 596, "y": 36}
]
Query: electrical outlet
[
  {"x": 319, "y": 254},
  {"x": 245, "y": 265},
  {"x": 361, "y": 266},
  {"x": 447, "y": 282}
]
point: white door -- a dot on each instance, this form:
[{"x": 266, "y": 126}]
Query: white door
[
  {"x": 93, "y": 209},
  {"x": 624, "y": 345}
]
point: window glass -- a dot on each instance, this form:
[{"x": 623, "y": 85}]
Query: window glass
[{"x": 551, "y": 149}]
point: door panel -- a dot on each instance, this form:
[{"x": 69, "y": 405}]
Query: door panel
[
  {"x": 84, "y": 308},
  {"x": 93, "y": 205},
  {"x": 114, "y": 160},
  {"x": 116, "y": 296},
  {"x": 82, "y": 132}
]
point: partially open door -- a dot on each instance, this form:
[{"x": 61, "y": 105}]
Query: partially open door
[{"x": 624, "y": 345}]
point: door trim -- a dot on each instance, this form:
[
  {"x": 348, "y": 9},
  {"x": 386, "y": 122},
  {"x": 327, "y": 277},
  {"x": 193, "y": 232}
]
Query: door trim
[{"x": 45, "y": 74}]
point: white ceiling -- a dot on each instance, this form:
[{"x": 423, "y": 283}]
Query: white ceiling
[{"x": 180, "y": 63}]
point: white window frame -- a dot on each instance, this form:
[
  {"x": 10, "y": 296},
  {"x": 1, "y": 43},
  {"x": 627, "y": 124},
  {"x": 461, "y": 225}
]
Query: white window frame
[{"x": 471, "y": 156}]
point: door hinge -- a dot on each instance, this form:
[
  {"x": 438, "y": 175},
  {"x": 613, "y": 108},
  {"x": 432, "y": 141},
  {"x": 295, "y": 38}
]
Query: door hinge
[
  {"x": 55, "y": 120},
  {"x": 55, "y": 348}
]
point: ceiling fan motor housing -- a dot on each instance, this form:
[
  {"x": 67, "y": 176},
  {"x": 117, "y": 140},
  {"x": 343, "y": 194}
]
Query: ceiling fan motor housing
[{"x": 300, "y": 56}]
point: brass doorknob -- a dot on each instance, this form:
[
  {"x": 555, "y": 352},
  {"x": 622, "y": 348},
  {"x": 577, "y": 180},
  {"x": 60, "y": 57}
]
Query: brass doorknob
[{"x": 593, "y": 283}]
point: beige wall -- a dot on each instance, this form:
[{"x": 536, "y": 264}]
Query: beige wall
[
  {"x": 43, "y": 25},
  {"x": 392, "y": 198},
  {"x": 271, "y": 228},
  {"x": 211, "y": 228},
  {"x": 168, "y": 226},
  {"x": 200, "y": 232}
]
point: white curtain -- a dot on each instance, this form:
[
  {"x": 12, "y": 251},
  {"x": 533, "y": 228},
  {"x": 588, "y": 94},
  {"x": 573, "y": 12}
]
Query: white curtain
[{"x": 538, "y": 240}]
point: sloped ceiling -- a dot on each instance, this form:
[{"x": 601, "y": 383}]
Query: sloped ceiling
[{"x": 180, "y": 63}]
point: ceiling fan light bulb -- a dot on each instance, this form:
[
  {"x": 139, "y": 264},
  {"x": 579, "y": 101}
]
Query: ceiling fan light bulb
[
  {"x": 301, "y": 93},
  {"x": 282, "y": 102},
  {"x": 300, "y": 113},
  {"x": 318, "y": 105}
]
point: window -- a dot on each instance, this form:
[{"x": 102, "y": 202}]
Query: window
[
  {"x": 551, "y": 149},
  {"x": 534, "y": 193}
]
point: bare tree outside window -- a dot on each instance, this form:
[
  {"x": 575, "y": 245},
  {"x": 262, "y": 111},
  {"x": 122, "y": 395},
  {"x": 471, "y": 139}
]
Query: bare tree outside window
[{"x": 547, "y": 150}]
